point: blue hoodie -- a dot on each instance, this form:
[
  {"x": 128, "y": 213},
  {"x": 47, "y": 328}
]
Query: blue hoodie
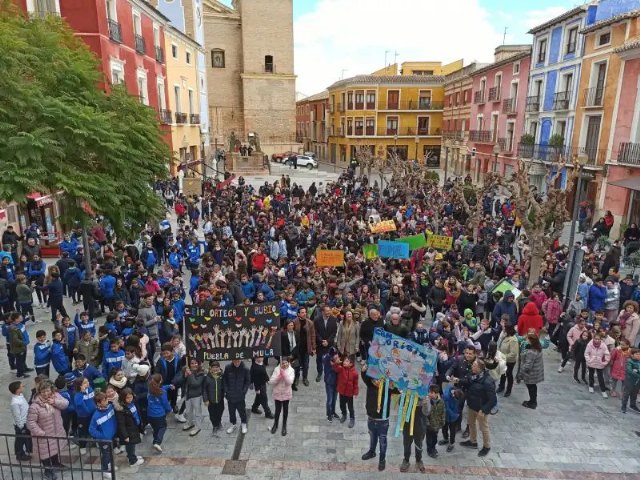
[
  {"x": 59, "y": 358},
  {"x": 36, "y": 269},
  {"x": 69, "y": 397},
  {"x": 84, "y": 403},
  {"x": 178, "y": 309},
  {"x": 451, "y": 404},
  {"x": 112, "y": 360},
  {"x": 248, "y": 289},
  {"x": 71, "y": 334},
  {"x": 330, "y": 376},
  {"x": 107, "y": 286},
  {"x": 73, "y": 277},
  {"x": 174, "y": 260},
  {"x": 89, "y": 372},
  {"x": 104, "y": 425},
  {"x": 134, "y": 411},
  {"x": 158, "y": 405},
  {"x": 90, "y": 325},
  {"x": 41, "y": 354}
]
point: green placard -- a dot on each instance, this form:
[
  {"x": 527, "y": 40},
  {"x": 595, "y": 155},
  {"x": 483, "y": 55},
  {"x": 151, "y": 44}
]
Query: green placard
[
  {"x": 370, "y": 251},
  {"x": 414, "y": 241}
]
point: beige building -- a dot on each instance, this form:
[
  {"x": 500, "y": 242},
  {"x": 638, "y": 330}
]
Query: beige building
[
  {"x": 250, "y": 75},
  {"x": 183, "y": 109}
]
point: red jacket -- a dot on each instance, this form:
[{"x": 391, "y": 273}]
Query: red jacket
[
  {"x": 347, "y": 380},
  {"x": 529, "y": 318}
]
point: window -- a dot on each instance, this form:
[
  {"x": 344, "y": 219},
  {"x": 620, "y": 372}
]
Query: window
[
  {"x": 423, "y": 126},
  {"x": 465, "y": 97},
  {"x": 42, "y": 8},
  {"x": 516, "y": 68},
  {"x": 188, "y": 57},
  {"x": 162, "y": 102},
  {"x": 604, "y": 39},
  {"x": 393, "y": 99},
  {"x": 349, "y": 126},
  {"x": 174, "y": 51},
  {"x": 542, "y": 50},
  {"x": 371, "y": 100},
  {"x": 176, "y": 96},
  {"x": 424, "y": 99},
  {"x": 392, "y": 125},
  {"x": 156, "y": 36},
  {"x": 370, "y": 126},
  {"x": 217, "y": 58},
  {"x": 572, "y": 40},
  {"x": 269, "y": 67},
  {"x": 190, "y": 102},
  {"x": 143, "y": 92},
  {"x": 457, "y": 98},
  {"x": 137, "y": 24},
  {"x": 359, "y": 99},
  {"x": 359, "y": 126},
  {"x": 349, "y": 100},
  {"x": 112, "y": 12},
  {"x": 117, "y": 72},
  {"x": 561, "y": 127}
]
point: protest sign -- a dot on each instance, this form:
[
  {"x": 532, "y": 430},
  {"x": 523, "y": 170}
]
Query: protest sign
[
  {"x": 382, "y": 227},
  {"x": 240, "y": 332},
  {"x": 414, "y": 241},
  {"x": 370, "y": 251},
  {"x": 329, "y": 258},
  {"x": 388, "y": 249},
  {"x": 505, "y": 285},
  {"x": 440, "y": 242}
]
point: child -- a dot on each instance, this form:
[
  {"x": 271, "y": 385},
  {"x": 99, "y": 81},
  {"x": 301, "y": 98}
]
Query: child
[
  {"x": 178, "y": 345},
  {"x": 129, "y": 423},
  {"x": 140, "y": 392},
  {"x": 631, "y": 382},
  {"x": 191, "y": 380},
  {"x": 69, "y": 421},
  {"x": 330, "y": 382},
  {"x": 158, "y": 409},
  {"x": 70, "y": 333},
  {"x": 18, "y": 340},
  {"x": 41, "y": 353},
  {"x": 597, "y": 358},
  {"x": 579, "y": 348},
  {"x": 83, "y": 369},
  {"x": 347, "y": 388},
  {"x": 214, "y": 395},
  {"x": 58, "y": 355},
  {"x": 619, "y": 357},
  {"x": 22, "y": 445},
  {"x": 87, "y": 346},
  {"x": 84, "y": 323},
  {"x": 131, "y": 359},
  {"x": 451, "y": 399},
  {"x": 259, "y": 378},
  {"x": 113, "y": 358},
  {"x": 435, "y": 421},
  {"x": 85, "y": 405},
  {"x": 420, "y": 334},
  {"x": 104, "y": 426},
  {"x": 24, "y": 296}
]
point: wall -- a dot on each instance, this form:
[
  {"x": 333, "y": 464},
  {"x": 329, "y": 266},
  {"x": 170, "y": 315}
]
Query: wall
[
  {"x": 627, "y": 107},
  {"x": 270, "y": 107}
]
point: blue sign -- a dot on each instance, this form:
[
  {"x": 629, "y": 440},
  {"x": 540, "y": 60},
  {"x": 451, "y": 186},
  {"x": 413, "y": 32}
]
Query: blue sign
[{"x": 388, "y": 249}]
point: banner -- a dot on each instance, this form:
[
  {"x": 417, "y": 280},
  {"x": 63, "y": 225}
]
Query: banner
[
  {"x": 440, "y": 242},
  {"x": 505, "y": 285},
  {"x": 242, "y": 332},
  {"x": 370, "y": 251},
  {"x": 414, "y": 241},
  {"x": 329, "y": 258},
  {"x": 382, "y": 227},
  {"x": 409, "y": 365},
  {"x": 388, "y": 249}
]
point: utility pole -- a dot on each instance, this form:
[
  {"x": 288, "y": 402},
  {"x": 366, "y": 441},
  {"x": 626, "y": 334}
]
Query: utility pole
[{"x": 504, "y": 35}]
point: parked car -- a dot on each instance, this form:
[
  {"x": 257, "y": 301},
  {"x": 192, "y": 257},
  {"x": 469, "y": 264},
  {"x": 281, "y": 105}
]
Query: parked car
[
  {"x": 310, "y": 154},
  {"x": 305, "y": 161},
  {"x": 281, "y": 157}
]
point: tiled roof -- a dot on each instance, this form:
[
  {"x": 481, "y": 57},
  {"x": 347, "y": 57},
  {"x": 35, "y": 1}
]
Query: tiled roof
[
  {"x": 504, "y": 61},
  {"x": 566, "y": 15},
  {"x": 324, "y": 95},
  {"x": 611, "y": 21},
  {"x": 629, "y": 45},
  {"x": 463, "y": 72},
  {"x": 392, "y": 79}
]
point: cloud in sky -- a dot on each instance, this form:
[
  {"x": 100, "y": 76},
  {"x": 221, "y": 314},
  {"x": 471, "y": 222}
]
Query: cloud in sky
[
  {"x": 533, "y": 18},
  {"x": 354, "y": 34}
]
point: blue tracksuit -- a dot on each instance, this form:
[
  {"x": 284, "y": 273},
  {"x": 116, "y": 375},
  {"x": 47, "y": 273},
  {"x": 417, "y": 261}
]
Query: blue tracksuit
[
  {"x": 174, "y": 260},
  {"x": 41, "y": 355},
  {"x": 112, "y": 360},
  {"x": 84, "y": 403},
  {"x": 158, "y": 405},
  {"x": 59, "y": 358},
  {"x": 178, "y": 309},
  {"x": 249, "y": 290},
  {"x": 104, "y": 425},
  {"x": 89, "y": 372},
  {"x": 71, "y": 336},
  {"x": 107, "y": 287},
  {"x": 90, "y": 325}
]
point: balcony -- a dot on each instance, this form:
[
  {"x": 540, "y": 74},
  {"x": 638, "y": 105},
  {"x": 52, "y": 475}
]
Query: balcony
[
  {"x": 165, "y": 117},
  {"x": 181, "y": 117},
  {"x": 115, "y": 32},
  {"x": 593, "y": 97},
  {"x": 533, "y": 104},
  {"x": 629, "y": 154},
  {"x": 159, "y": 54},
  {"x": 413, "y": 105},
  {"x": 549, "y": 153},
  {"x": 494, "y": 94},
  {"x": 481, "y": 136},
  {"x": 407, "y": 132},
  {"x": 140, "y": 46},
  {"x": 457, "y": 136},
  {"x": 561, "y": 100},
  {"x": 509, "y": 106},
  {"x": 269, "y": 68},
  {"x": 349, "y": 105},
  {"x": 478, "y": 97},
  {"x": 370, "y": 131},
  {"x": 194, "y": 119}
]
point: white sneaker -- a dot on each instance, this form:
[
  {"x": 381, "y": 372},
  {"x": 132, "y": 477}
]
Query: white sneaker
[
  {"x": 187, "y": 427},
  {"x": 231, "y": 429},
  {"x": 38, "y": 320},
  {"x": 194, "y": 432},
  {"x": 605, "y": 395},
  {"x": 106, "y": 475},
  {"x": 591, "y": 390},
  {"x": 118, "y": 450},
  {"x": 180, "y": 418},
  {"x": 139, "y": 462},
  {"x": 560, "y": 369},
  {"x": 83, "y": 451},
  {"x": 244, "y": 428},
  {"x": 157, "y": 447},
  {"x": 72, "y": 446}
]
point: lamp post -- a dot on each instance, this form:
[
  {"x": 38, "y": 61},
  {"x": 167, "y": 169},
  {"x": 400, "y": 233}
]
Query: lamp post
[
  {"x": 496, "y": 151},
  {"x": 582, "y": 160},
  {"x": 446, "y": 163},
  {"x": 417, "y": 140}
]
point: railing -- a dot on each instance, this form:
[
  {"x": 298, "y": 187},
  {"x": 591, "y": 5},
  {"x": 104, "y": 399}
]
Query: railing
[
  {"x": 457, "y": 135},
  {"x": 420, "y": 104},
  {"x": 595, "y": 156},
  {"x": 159, "y": 54},
  {"x": 406, "y": 132},
  {"x": 181, "y": 117},
  {"x": 349, "y": 130},
  {"x": 370, "y": 106},
  {"x": 481, "y": 136},
  {"x": 359, "y": 106},
  {"x": 509, "y": 105},
  {"x": 502, "y": 143},
  {"x": 494, "y": 94},
  {"x": 140, "y": 46},
  {"x": 550, "y": 153},
  {"x": 423, "y": 131},
  {"x": 629, "y": 153},
  {"x": 370, "y": 131},
  {"x": 478, "y": 97},
  {"x": 165, "y": 117},
  {"x": 194, "y": 119},
  {"x": 561, "y": 100},
  {"x": 349, "y": 105},
  {"x": 593, "y": 97},
  {"x": 115, "y": 32},
  {"x": 43, "y": 13},
  {"x": 533, "y": 103}
]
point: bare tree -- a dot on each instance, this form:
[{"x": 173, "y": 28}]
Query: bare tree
[{"x": 471, "y": 198}]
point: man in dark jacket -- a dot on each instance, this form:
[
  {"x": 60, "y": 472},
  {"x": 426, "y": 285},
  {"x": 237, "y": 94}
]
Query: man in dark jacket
[
  {"x": 326, "y": 327},
  {"x": 236, "y": 381},
  {"x": 55, "y": 298},
  {"x": 397, "y": 327},
  {"x": 366, "y": 331},
  {"x": 259, "y": 379},
  {"x": 90, "y": 293},
  {"x": 506, "y": 306},
  {"x": 461, "y": 369},
  {"x": 481, "y": 398}
]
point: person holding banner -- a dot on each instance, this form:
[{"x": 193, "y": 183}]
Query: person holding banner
[{"x": 416, "y": 436}]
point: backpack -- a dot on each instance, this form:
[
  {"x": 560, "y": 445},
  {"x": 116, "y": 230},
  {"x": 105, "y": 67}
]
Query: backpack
[
  {"x": 16, "y": 341},
  {"x": 636, "y": 294}
]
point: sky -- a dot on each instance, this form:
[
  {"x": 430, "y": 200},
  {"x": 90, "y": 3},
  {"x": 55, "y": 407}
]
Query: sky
[{"x": 336, "y": 39}]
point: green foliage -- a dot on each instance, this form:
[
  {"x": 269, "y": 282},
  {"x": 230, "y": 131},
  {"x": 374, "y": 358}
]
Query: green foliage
[
  {"x": 59, "y": 131},
  {"x": 431, "y": 175},
  {"x": 469, "y": 194},
  {"x": 556, "y": 140},
  {"x": 527, "y": 139}
]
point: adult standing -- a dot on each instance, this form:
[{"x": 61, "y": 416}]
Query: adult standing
[
  {"x": 236, "y": 380},
  {"x": 366, "y": 331},
  {"x": 44, "y": 421},
  {"x": 531, "y": 369},
  {"x": 348, "y": 337},
  {"x": 307, "y": 345},
  {"x": 282, "y": 380},
  {"x": 506, "y": 306},
  {"x": 508, "y": 345},
  {"x": 629, "y": 321},
  {"x": 326, "y": 328}
]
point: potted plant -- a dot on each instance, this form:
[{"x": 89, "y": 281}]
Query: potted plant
[
  {"x": 526, "y": 145},
  {"x": 556, "y": 142}
]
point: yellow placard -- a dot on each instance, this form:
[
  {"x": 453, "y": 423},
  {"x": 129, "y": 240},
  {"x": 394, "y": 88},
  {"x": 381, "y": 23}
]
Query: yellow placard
[
  {"x": 440, "y": 241},
  {"x": 330, "y": 258},
  {"x": 383, "y": 227}
]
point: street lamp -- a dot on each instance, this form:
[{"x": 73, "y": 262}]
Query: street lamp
[
  {"x": 582, "y": 160},
  {"x": 496, "y": 151}
]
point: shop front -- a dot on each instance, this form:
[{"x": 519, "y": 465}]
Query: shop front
[{"x": 43, "y": 211}]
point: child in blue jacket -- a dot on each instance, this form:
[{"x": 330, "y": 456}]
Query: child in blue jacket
[
  {"x": 113, "y": 358},
  {"x": 157, "y": 409},
  {"x": 85, "y": 406},
  {"x": 65, "y": 388},
  {"x": 330, "y": 382},
  {"x": 59, "y": 357},
  {"x": 452, "y": 397},
  {"x": 104, "y": 426},
  {"x": 83, "y": 322},
  {"x": 41, "y": 353}
]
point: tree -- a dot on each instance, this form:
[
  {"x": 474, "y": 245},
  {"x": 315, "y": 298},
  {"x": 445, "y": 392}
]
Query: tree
[
  {"x": 471, "y": 197},
  {"x": 542, "y": 218},
  {"x": 59, "y": 131}
]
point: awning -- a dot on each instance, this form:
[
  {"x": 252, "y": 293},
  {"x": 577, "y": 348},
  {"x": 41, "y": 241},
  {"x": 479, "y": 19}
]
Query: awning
[
  {"x": 41, "y": 200},
  {"x": 632, "y": 183}
]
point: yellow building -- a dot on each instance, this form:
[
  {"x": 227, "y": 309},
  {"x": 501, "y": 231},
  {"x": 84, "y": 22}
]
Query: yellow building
[
  {"x": 389, "y": 112},
  {"x": 183, "y": 111}
]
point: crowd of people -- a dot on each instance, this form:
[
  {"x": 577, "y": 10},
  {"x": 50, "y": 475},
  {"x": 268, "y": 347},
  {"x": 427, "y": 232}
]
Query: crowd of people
[{"x": 117, "y": 380}]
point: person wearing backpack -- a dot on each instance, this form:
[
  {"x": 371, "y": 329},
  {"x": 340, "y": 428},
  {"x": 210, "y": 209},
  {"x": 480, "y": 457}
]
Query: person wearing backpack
[{"x": 18, "y": 344}]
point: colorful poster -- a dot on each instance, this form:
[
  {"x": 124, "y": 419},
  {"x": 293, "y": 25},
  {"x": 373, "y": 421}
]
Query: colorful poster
[
  {"x": 414, "y": 241},
  {"x": 329, "y": 258},
  {"x": 241, "y": 332},
  {"x": 505, "y": 285},
  {"x": 370, "y": 251},
  {"x": 383, "y": 227},
  {"x": 409, "y": 365},
  {"x": 388, "y": 249},
  {"x": 440, "y": 242}
]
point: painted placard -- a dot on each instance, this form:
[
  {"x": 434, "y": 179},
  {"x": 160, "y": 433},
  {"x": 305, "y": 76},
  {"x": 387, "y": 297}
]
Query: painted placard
[
  {"x": 329, "y": 258},
  {"x": 383, "y": 227},
  {"x": 370, "y": 251},
  {"x": 388, "y": 249},
  {"x": 440, "y": 242},
  {"x": 414, "y": 241}
]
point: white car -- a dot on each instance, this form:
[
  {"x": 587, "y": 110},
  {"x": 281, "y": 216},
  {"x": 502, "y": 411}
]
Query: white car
[{"x": 305, "y": 161}]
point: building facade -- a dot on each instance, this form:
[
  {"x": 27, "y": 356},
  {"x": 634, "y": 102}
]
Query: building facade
[
  {"x": 311, "y": 124},
  {"x": 497, "y": 112},
  {"x": 250, "y": 48}
]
